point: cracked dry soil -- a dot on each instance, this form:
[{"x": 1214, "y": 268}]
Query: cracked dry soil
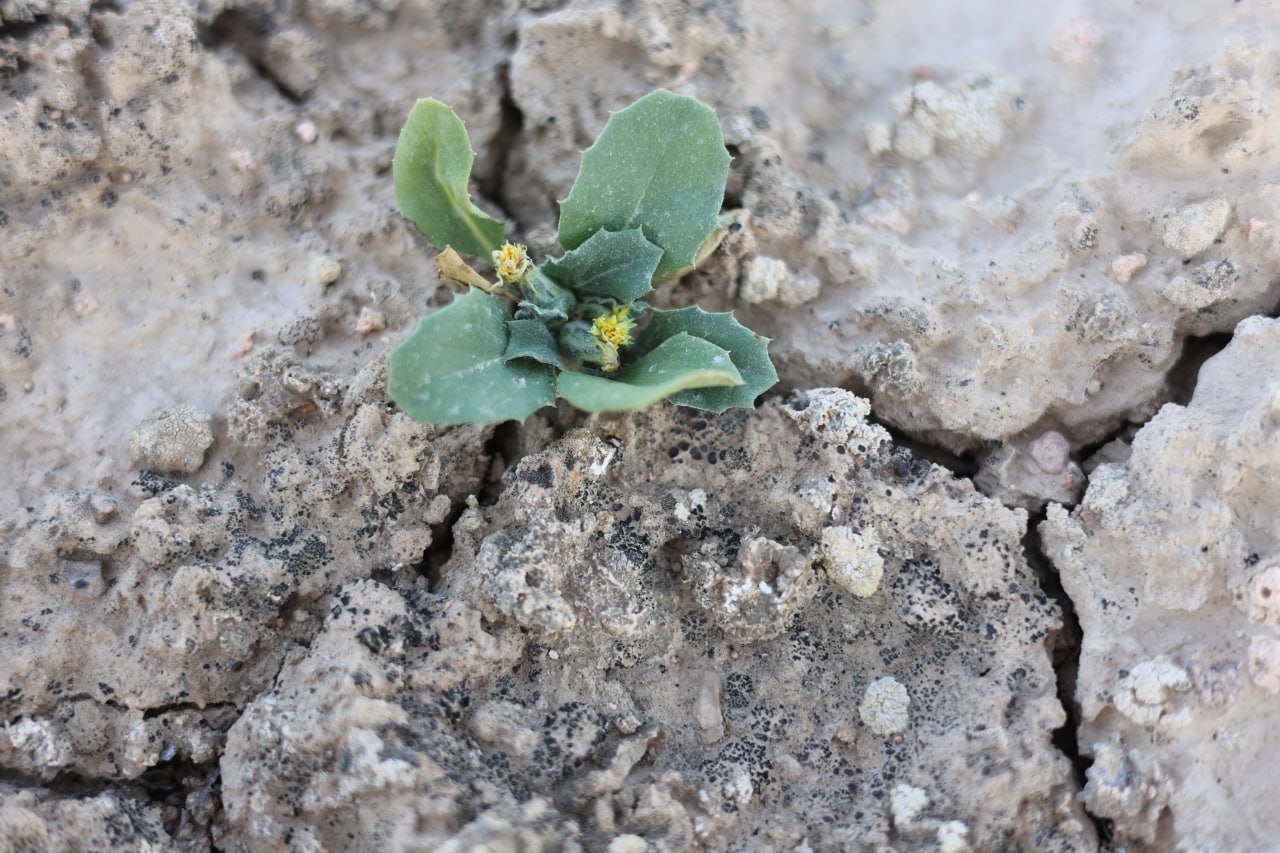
[{"x": 994, "y": 567}]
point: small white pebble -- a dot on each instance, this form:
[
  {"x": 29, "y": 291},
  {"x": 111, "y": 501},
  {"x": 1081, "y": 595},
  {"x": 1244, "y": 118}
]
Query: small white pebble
[
  {"x": 1149, "y": 694},
  {"x": 1125, "y": 266},
  {"x": 906, "y": 802},
  {"x": 324, "y": 271},
  {"x": 884, "y": 706},
  {"x": 1051, "y": 452},
  {"x": 852, "y": 560},
  {"x": 305, "y": 130},
  {"x": 370, "y": 320},
  {"x": 627, "y": 843},
  {"x": 103, "y": 508},
  {"x": 762, "y": 277},
  {"x": 1192, "y": 229},
  {"x": 172, "y": 440},
  {"x": 953, "y": 837}
]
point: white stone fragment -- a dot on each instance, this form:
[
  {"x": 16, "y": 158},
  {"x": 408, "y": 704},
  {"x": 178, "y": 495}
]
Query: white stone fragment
[
  {"x": 953, "y": 837},
  {"x": 852, "y": 560},
  {"x": 103, "y": 507},
  {"x": 370, "y": 320},
  {"x": 968, "y": 118},
  {"x": 306, "y": 131},
  {"x": 1192, "y": 229},
  {"x": 762, "y": 278},
  {"x": 627, "y": 843},
  {"x": 1124, "y": 267},
  {"x": 172, "y": 440},
  {"x": 1149, "y": 694},
  {"x": 323, "y": 271},
  {"x": 1051, "y": 452},
  {"x": 906, "y": 802},
  {"x": 37, "y": 739},
  {"x": 884, "y": 706}
]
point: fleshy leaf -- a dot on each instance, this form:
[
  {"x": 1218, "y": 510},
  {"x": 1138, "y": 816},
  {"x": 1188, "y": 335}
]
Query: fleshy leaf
[
  {"x": 451, "y": 369},
  {"x": 659, "y": 165},
  {"x": 431, "y": 167},
  {"x": 545, "y": 298},
  {"x": 678, "y": 363},
  {"x": 749, "y": 352},
  {"x": 609, "y": 264},
  {"x": 531, "y": 339}
]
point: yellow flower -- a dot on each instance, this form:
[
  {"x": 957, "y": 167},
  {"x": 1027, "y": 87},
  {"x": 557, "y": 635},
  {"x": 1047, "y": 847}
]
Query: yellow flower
[
  {"x": 512, "y": 263},
  {"x": 615, "y": 327}
]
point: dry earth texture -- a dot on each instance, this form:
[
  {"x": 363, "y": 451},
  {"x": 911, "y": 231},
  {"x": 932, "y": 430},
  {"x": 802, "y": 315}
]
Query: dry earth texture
[{"x": 996, "y": 566}]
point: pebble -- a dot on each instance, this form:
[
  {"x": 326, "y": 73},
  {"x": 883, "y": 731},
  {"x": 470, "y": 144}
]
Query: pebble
[
  {"x": 1191, "y": 230},
  {"x": 172, "y": 440},
  {"x": 853, "y": 561},
  {"x": 884, "y": 706},
  {"x": 370, "y": 320},
  {"x": 906, "y": 802},
  {"x": 306, "y": 131},
  {"x": 324, "y": 271},
  {"x": 627, "y": 843},
  {"x": 1125, "y": 266},
  {"x": 1051, "y": 452},
  {"x": 103, "y": 508}
]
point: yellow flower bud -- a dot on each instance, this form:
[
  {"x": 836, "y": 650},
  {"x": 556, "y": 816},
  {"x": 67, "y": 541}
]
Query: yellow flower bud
[
  {"x": 512, "y": 263},
  {"x": 614, "y": 327}
]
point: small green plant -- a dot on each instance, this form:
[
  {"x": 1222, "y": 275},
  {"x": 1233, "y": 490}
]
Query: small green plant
[{"x": 644, "y": 209}]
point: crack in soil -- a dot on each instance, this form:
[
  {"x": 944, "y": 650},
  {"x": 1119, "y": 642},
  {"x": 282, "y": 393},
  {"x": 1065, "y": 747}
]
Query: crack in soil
[
  {"x": 493, "y": 185},
  {"x": 246, "y": 33},
  {"x": 1064, "y": 647}
]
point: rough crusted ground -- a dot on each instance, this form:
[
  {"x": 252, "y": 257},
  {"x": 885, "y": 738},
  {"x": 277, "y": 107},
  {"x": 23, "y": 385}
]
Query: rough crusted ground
[{"x": 246, "y": 605}]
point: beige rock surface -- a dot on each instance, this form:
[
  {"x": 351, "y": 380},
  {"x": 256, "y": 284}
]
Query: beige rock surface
[
  {"x": 606, "y": 655},
  {"x": 1178, "y": 672}
]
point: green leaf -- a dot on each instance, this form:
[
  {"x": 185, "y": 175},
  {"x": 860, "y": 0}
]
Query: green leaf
[
  {"x": 749, "y": 352},
  {"x": 451, "y": 369},
  {"x": 531, "y": 339},
  {"x": 678, "y": 363},
  {"x": 431, "y": 167},
  {"x": 659, "y": 165},
  {"x": 610, "y": 264},
  {"x": 545, "y": 299}
]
